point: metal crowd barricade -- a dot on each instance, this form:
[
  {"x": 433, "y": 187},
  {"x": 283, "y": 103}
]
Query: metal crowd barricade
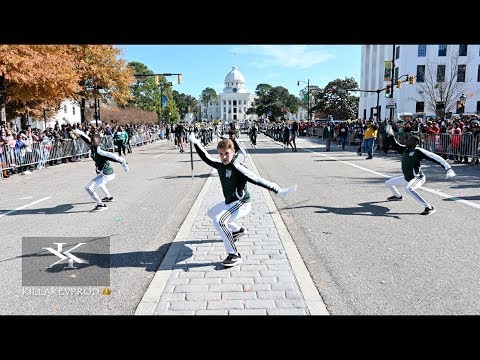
[
  {"x": 454, "y": 146},
  {"x": 40, "y": 153}
]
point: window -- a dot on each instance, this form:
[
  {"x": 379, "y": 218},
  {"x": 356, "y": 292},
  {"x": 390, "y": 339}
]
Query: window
[
  {"x": 462, "y": 69},
  {"x": 422, "y": 50},
  {"x": 396, "y": 74},
  {"x": 244, "y": 102},
  {"x": 224, "y": 109},
  {"x": 245, "y": 109},
  {"x": 478, "y": 74},
  {"x": 65, "y": 109},
  {"x": 224, "y": 102},
  {"x": 462, "y": 50},
  {"x": 442, "y": 50},
  {"x": 73, "y": 110},
  {"x": 440, "y": 73},
  {"x": 420, "y": 73},
  {"x": 478, "y": 106},
  {"x": 397, "y": 52},
  {"x": 229, "y": 102},
  {"x": 420, "y": 107}
]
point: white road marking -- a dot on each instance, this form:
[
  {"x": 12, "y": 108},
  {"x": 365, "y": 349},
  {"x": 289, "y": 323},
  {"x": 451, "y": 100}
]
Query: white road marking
[
  {"x": 24, "y": 206},
  {"x": 436, "y": 192},
  {"x": 25, "y": 198},
  {"x": 159, "y": 155}
]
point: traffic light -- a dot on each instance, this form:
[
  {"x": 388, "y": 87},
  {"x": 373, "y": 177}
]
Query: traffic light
[
  {"x": 179, "y": 78},
  {"x": 399, "y": 84},
  {"x": 411, "y": 79},
  {"x": 387, "y": 91}
]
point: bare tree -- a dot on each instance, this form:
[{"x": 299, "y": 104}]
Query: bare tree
[{"x": 441, "y": 93}]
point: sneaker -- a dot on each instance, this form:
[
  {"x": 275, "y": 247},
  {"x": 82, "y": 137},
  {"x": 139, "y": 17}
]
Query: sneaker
[
  {"x": 394, "y": 198},
  {"x": 237, "y": 234},
  {"x": 232, "y": 260},
  {"x": 100, "y": 207},
  {"x": 428, "y": 211},
  {"x": 369, "y": 158},
  {"x": 108, "y": 199}
]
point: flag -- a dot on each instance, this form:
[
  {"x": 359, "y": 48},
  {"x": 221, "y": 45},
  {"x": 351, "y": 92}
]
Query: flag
[{"x": 387, "y": 76}]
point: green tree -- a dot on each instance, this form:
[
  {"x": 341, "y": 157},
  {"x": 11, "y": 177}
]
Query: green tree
[
  {"x": 274, "y": 101},
  {"x": 145, "y": 92},
  {"x": 206, "y": 96},
  {"x": 185, "y": 103},
  {"x": 304, "y": 99},
  {"x": 334, "y": 99},
  {"x": 170, "y": 111}
]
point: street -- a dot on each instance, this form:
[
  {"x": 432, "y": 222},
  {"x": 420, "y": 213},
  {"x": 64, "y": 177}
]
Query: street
[{"x": 365, "y": 255}]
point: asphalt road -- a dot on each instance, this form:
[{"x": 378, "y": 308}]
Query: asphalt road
[
  {"x": 151, "y": 202},
  {"x": 368, "y": 256}
]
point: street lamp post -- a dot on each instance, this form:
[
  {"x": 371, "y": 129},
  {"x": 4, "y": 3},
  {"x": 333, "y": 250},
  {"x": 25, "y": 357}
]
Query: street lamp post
[
  {"x": 308, "y": 96},
  {"x": 160, "y": 85}
]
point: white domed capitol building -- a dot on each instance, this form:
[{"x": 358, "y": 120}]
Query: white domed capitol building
[{"x": 233, "y": 103}]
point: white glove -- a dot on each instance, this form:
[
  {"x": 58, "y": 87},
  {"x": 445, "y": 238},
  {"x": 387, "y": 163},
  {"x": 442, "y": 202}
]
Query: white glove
[
  {"x": 283, "y": 193},
  {"x": 389, "y": 130},
  {"x": 450, "y": 173},
  {"x": 192, "y": 138},
  {"x": 125, "y": 167}
]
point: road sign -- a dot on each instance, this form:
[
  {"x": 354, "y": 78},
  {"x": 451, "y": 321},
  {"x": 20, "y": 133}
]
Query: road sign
[{"x": 391, "y": 106}]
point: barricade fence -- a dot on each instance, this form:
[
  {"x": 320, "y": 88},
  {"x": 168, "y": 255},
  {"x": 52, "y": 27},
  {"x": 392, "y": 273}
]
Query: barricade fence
[
  {"x": 39, "y": 154},
  {"x": 452, "y": 146}
]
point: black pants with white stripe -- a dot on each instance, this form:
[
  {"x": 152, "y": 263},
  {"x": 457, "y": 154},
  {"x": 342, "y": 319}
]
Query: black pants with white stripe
[{"x": 224, "y": 217}]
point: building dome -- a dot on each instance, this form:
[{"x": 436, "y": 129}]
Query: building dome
[
  {"x": 234, "y": 75},
  {"x": 235, "y": 82}
]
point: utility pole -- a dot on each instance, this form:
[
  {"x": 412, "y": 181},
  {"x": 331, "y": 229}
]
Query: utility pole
[
  {"x": 392, "y": 110},
  {"x": 160, "y": 85},
  {"x": 378, "y": 105}
]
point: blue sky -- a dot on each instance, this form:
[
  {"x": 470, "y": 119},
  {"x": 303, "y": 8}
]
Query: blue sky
[{"x": 204, "y": 66}]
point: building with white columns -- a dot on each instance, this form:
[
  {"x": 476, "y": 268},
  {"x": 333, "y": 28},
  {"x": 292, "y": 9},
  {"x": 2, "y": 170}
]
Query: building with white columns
[
  {"x": 233, "y": 103},
  {"x": 455, "y": 66}
]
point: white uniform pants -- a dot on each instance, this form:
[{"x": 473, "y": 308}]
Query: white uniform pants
[
  {"x": 410, "y": 187},
  {"x": 224, "y": 217},
  {"x": 99, "y": 181}
]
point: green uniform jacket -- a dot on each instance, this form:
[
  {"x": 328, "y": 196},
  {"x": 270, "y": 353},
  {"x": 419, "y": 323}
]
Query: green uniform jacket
[
  {"x": 234, "y": 177},
  {"x": 102, "y": 158},
  {"x": 411, "y": 158}
]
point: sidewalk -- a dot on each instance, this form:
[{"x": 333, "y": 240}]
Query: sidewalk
[{"x": 271, "y": 280}]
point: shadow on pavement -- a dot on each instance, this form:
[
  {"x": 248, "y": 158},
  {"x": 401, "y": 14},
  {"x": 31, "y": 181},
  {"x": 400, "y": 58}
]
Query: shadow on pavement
[
  {"x": 59, "y": 209},
  {"x": 365, "y": 209},
  {"x": 150, "y": 260}
]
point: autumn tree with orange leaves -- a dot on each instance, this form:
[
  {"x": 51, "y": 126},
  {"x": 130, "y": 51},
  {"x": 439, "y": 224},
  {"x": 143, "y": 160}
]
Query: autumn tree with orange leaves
[
  {"x": 40, "y": 77},
  {"x": 35, "y": 77},
  {"x": 103, "y": 74}
]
